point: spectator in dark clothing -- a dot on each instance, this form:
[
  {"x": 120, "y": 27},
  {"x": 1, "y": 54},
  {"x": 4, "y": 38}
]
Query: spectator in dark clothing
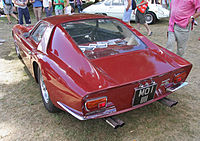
[
  {"x": 156, "y": 1},
  {"x": 23, "y": 11},
  {"x": 79, "y": 5}
]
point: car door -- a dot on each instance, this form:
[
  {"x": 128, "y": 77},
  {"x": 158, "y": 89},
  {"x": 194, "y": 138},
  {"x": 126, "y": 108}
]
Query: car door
[
  {"x": 116, "y": 9},
  {"x": 33, "y": 41}
]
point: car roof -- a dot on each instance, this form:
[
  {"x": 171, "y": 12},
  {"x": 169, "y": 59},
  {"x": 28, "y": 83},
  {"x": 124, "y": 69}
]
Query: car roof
[{"x": 55, "y": 20}]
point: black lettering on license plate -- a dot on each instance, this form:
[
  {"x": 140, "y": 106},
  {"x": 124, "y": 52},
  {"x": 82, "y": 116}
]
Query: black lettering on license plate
[{"x": 144, "y": 94}]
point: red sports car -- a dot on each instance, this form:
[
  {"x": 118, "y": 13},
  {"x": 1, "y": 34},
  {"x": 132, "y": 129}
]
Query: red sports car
[{"x": 95, "y": 66}]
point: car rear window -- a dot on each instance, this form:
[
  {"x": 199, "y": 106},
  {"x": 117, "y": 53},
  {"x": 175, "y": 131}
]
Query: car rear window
[{"x": 103, "y": 37}]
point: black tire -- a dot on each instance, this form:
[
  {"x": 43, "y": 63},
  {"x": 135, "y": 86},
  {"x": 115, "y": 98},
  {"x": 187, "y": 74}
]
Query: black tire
[
  {"x": 101, "y": 14},
  {"x": 17, "y": 52},
  {"x": 150, "y": 17},
  {"x": 45, "y": 95}
]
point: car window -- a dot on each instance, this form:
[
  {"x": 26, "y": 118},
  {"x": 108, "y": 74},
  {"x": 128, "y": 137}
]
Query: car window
[
  {"x": 38, "y": 33},
  {"x": 117, "y": 2},
  {"x": 107, "y": 3},
  {"x": 98, "y": 38}
]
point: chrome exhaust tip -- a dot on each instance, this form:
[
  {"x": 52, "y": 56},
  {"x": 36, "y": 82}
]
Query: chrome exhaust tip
[
  {"x": 114, "y": 122},
  {"x": 168, "y": 102}
]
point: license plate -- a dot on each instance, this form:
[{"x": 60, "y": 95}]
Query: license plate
[{"x": 144, "y": 94}]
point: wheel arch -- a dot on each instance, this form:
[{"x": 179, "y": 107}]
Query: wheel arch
[
  {"x": 154, "y": 16},
  {"x": 35, "y": 71}
]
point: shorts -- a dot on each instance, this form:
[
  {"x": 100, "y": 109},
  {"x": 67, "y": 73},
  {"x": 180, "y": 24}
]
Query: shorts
[
  {"x": 140, "y": 17},
  {"x": 59, "y": 11},
  {"x": 127, "y": 15},
  {"x": 68, "y": 10},
  {"x": 8, "y": 9}
]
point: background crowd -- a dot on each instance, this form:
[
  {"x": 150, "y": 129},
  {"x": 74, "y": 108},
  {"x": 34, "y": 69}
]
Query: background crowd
[
  {"x": 182, "y": 15},
  {"x": 39, "y": 6}
]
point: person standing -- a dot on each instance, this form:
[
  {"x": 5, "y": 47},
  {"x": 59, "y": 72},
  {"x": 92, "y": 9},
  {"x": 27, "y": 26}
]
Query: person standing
[
  {"x": 127, "y": 11},
  {"x": 8, "y": 10},
  {"x": 23, "y": 11},
  {"x": 59, "y": 4},
  {"x": 165, "y": 3},
  {"x": 182, "y": 15},
  {"x": 68, "y": 8},
  {"x": 79, "y": 5},
  {"x": 37, "y": 8},
  {"x": 154, "y": 1},
  {"x": 47, "y": 7},
  {"x": 142, "y": 6},
  {"x": 72, "y": 3}
]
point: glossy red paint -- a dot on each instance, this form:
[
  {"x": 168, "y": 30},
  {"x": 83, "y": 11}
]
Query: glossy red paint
[{"x": 71, "y": 78}]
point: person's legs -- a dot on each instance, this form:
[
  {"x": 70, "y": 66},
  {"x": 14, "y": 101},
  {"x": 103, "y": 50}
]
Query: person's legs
[
  {"x": 171, "y": 41},
  {"x": 8, "y": 17},
  {"x": 6, "y": 9},
  {"x": 56, "y": 11},
  {"x": 72, "y": 5},
  {"x": 141, "y": 20},
  {"x": 182, "y": 36},
  {"x": 14, "y": 16},
  {"x": 60, "y": 11},
  {"x": 79, "y": 8},
  {"x": 39, "y": 13},
  {"x": 20, "y": 16},
  {"x": 48, "y": 12},
  {"x": 127, "y": 16},
  {"x": 35, "y": 13},
  {"x": 137, "y": 20},
  {"x": 148, "y": 29},
  {"x": 27, "y": 16}
]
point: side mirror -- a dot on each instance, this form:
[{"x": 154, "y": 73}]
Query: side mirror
[{"x": 26, "y": 34}]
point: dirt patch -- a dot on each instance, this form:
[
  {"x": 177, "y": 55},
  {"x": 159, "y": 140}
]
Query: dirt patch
[{"x": 23, "y": 116}]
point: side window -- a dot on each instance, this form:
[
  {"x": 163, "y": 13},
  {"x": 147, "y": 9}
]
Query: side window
[
  {"x": 38, "y": 33},
  {"x": 107, "y": 3},
  {"x": 117, "y": 2}
]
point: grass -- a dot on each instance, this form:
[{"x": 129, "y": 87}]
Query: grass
[{"x": 23, "y": 116}]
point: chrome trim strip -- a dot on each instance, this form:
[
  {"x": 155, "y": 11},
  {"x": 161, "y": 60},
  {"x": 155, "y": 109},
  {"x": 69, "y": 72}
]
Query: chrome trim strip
[
  {"x": 71, "y": 112},
  {"x": 182, "y": 85},
  {"x": 68, "y": 109}
]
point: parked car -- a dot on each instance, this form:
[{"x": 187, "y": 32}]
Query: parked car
[
  {"x": 95, "y": 66},
  {"x": 115, "y": 8}
]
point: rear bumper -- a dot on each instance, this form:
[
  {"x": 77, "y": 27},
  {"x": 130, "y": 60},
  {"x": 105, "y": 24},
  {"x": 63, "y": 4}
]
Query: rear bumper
[{"x": 110, "y": 111}]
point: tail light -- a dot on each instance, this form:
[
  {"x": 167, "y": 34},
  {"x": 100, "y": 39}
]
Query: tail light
[
  {"x": 94, "y": 104},
  {"x": 180, "y": 77}
]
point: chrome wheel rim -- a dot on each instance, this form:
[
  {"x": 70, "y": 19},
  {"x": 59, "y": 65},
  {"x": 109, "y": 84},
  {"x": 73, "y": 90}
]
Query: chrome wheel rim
[
  {"x": 17, "y": 50},
  {"x": 149, "y": 18},
  {"x": 44, "y": 91}
]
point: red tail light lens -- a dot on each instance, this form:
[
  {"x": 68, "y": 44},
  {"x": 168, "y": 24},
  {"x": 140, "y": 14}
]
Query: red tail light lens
[
  {"x": 180, "y": 77},
  {"x": 94, "y": 104}
]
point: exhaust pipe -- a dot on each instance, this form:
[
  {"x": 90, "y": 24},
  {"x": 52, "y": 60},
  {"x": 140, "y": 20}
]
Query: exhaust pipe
[
  {"x": 114, "y": 122},
  {"x": 168, "y": 102}
]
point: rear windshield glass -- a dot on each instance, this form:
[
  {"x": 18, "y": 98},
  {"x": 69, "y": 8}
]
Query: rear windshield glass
[{"x": 102, "y": 37}]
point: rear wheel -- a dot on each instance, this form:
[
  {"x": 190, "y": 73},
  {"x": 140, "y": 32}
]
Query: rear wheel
[
  {"x": 17, "y": 52},
  {"x": 150, "y": 17},
  {"x": 45, "y": 95},
  {"x": 101, "y": 14}
]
